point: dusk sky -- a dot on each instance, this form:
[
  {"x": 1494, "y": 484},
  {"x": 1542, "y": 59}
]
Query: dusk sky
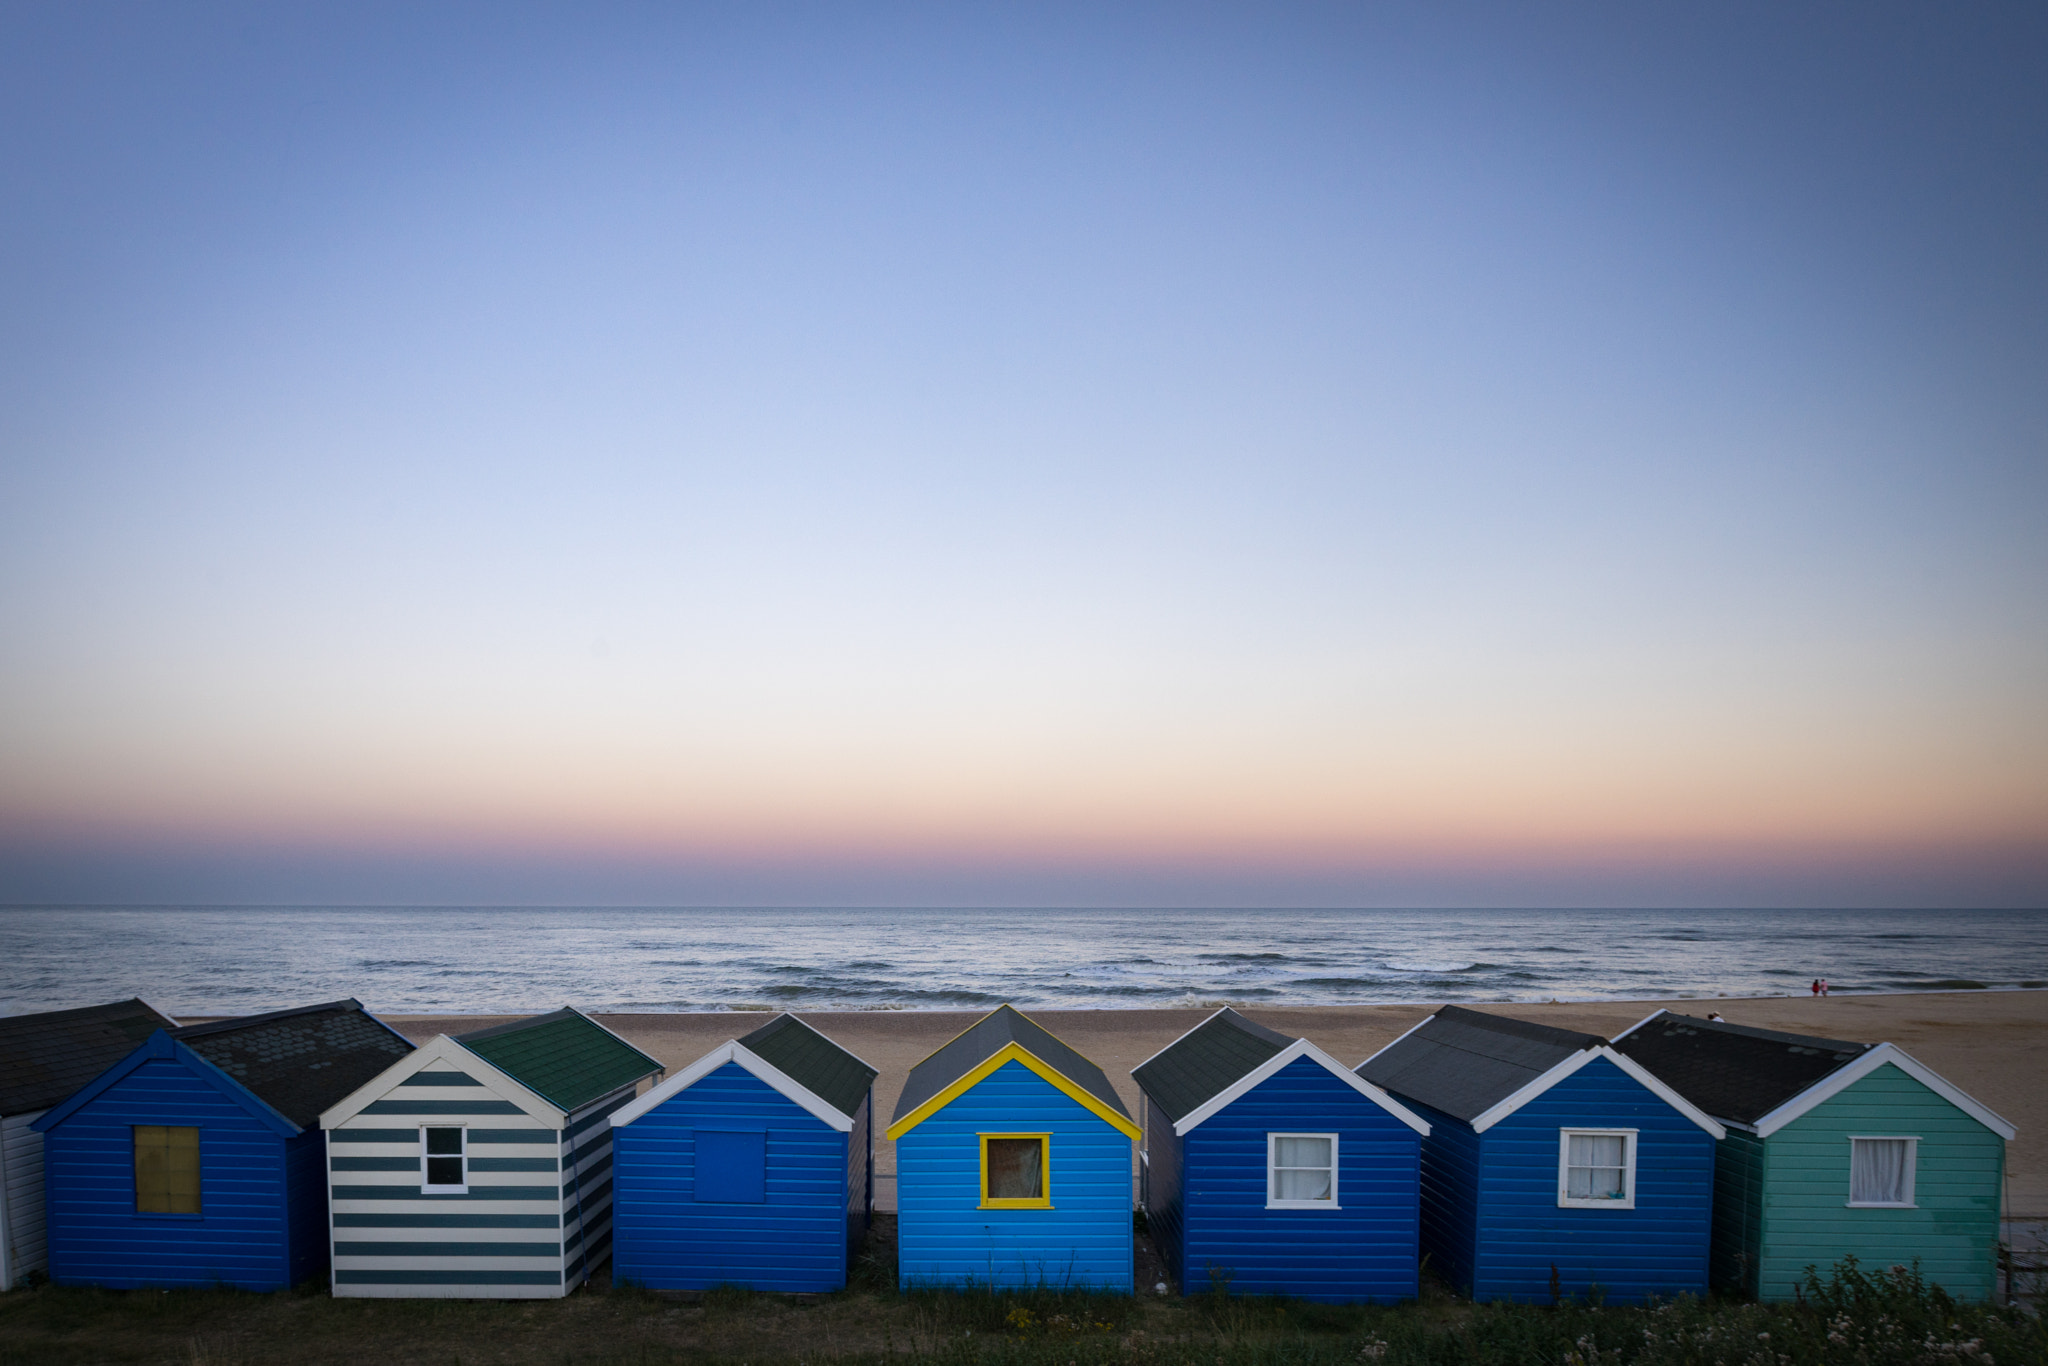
[{"x": 1101, "y": 454}]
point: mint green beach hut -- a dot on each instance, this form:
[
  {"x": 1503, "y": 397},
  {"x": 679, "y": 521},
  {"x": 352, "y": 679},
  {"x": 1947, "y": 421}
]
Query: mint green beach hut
[{"x": 1834, "y": 1149}]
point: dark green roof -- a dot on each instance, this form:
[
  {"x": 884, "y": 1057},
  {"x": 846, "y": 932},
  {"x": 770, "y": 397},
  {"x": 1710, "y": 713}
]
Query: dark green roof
[
  {"x": 566, "y": 1058},
  {"x": 813, "y": 1062},
  {"x": 1206, "y": 1061},
  {"x": 984, "y": 1039}
]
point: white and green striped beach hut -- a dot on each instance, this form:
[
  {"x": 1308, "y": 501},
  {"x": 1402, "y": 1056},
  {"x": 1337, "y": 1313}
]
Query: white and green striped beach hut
[{"x": 479, "y": 1167}]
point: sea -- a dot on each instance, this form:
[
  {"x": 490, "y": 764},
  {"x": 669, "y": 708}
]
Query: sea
[{"x": 228, "y": 960}]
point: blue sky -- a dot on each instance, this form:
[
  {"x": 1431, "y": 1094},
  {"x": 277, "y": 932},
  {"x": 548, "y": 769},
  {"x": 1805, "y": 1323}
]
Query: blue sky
[{"x": 1341, "y": 454}]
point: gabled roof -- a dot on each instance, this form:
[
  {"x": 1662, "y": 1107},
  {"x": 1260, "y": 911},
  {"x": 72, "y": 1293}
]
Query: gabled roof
[
  {"x": 160, "y": 1046},
  {"x": 1482, "y": 1068},
  {"x": 1227, "y": 1055},
  {"x": 47, "y": 1056},
  {"x": 442, "y": 1053},
  {"x": 812, "y": 1061},
  {"x": 1734, "y": 1071},
  {"x": 1001, "y": 1036},
  {"x": 1709, "y": 1056},
  {"x": 565, "y": 1057},
  {"x": 299, "y": 1061}
]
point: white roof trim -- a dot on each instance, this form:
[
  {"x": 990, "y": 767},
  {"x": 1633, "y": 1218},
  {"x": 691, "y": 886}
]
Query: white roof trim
[
  {"x": 442, "y": 1049},
  {"x": 1301, "y": 1048},
  {"x": 763, "y": 1070},
  {"x": 1197, "y": 1025},
  {"x": 1501, "y": 1109},
  {"x": 1639, "y": 1024},
  {"x": 1832, "y": 1085},
  {"x": 1404, "y": 1034}
]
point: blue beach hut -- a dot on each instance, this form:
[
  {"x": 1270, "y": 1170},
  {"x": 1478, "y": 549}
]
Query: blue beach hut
[
  {"x": 1554, "y": 1164},
  {"x": 749, "y": 1167},
  {"x": 1013, "y": 1164},
  {"x": 1269, "y": 1168},
  {"x": 197, "y": 1159}
]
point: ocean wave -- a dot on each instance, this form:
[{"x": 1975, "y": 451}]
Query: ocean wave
[{"x": 1428, "y": 964}]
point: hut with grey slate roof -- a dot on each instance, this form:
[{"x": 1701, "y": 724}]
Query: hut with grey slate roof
[
  {"x": 1834, "y": 1148},
  {"x": 1554, "y": 1164},
  {"x": 752, "y": 1166},
  {"x": 196, "y": 1159},
  {"x": 1269, "y": 1168},
  {"x": 1013, "y": 1164},
  {"x": 480, "y": 1166},
  {"x": 43, "y": 1059}
]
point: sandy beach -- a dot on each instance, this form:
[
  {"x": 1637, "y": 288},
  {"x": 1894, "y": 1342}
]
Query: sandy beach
[{"x": 1992, "y": 1044}]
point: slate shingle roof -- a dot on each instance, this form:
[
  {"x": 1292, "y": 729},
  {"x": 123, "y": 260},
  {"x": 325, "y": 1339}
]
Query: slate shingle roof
[
  {"x": 565, "y": 1057},
  {"x": 47, "y": 1056},
  {"x": 1464, "y": 1062},
  {"x": 983, "y": 1040},
  {"x": 301, "y": 1061},
  {"x": 813, "y": 1062},
  {"x": 1206, "y": 1061},
  {"x": 1734, "y": 1071}
]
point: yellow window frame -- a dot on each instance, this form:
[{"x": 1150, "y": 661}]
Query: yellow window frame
[{"x": 1044, "y": 1174}]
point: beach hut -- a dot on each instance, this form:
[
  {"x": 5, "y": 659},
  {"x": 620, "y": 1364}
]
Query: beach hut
[
  {"x": 195, "y": 1159},
  {"x": 1013, "y": 1164},
  {"x": 1554, "y": 1165},
  {"x": 480, "y": 1166},
  {"x": 1834, "y": 1148},
  {"x": 749, "y": 1167},
  {"x": 43, "y": 1059},
  {"x": 1269, "y": 1168}
]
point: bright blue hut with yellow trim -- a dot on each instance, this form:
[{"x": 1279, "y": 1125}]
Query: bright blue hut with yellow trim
[{"x": 1013, "y": 1164}]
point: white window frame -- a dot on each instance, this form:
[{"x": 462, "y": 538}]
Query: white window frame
[
  {"x": 1273, "y": 1173},
  {"x": 425, "y": 1187},
  {"x": 1565, "y": 1199},
  {"x": 1912, "y": 1142}
]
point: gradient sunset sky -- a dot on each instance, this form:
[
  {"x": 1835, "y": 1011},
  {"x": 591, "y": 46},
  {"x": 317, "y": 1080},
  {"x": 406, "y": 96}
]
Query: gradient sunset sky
[{"x": 1099, "y": 454}]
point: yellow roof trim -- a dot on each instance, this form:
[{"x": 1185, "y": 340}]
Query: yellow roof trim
[{"x": 1012, "y": 1052}]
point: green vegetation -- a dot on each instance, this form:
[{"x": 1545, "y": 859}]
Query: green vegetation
[{"x": 1892, "y": 1318}]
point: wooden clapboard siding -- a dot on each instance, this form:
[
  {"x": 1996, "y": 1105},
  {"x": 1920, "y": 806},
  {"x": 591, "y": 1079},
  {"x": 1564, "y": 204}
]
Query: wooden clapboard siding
[
  {"x": 1953, "y": 1232},
  {"x": 1450, "y": 1194},
  {"x": 860, "y": 1176},
  {"x": 587, "y": 1188},
  {"x": 796, "y": 1239},
  {"x": 96, "y": 1236},
  {"x": 1657, "y": 1248},
  {"x": 944, "y": 1237},
  {"x": 1739, "y": 1162},
  {"x": 1363, "y": 1249},
  {"x": 22, "y": 1247},
  {"x": 1160, "y": 1188}
]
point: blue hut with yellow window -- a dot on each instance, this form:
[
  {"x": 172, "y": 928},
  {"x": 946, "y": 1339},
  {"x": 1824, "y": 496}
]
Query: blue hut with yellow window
[{"x": 1013, "y": 1164}]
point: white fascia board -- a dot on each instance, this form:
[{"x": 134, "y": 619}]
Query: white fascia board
[
  {"x": 1404, "y": 1034},
  {"x": 1501, "y": 1109},
  {"x": 763, "y": 1070},
  {"x": 1832, "y": 1085},
  {"x": 1197, "y": 1025},
  {"x": 441, "y": 1049},
  {"x": 1639, "y": 1024},
  {"x": 1301, "y": 1048}
]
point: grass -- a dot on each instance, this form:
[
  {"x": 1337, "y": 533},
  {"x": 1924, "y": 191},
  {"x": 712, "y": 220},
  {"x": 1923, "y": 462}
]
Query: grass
[{"x": 1891, "y": 1318}]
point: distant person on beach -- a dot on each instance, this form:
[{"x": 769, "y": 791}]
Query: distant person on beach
[
  {"x": 1816, "y": 987},
  {"x": 1715, "y": 1016},
  {"x": 1823, "y": 986}
]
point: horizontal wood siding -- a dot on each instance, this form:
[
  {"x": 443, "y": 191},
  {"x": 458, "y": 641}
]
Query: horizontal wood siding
[
  {"x": 945, "y": 1238},
  {"x": 21, "y": 1168},
  {"x": 1657, "y": 1248},
  {"x": 1450, "y": 1198},
  {"x": 587, "y": 1185},
  {"x": 1738, "y": 1212},
  {"x": 795, "y": 1240},
  {"x": 1160, "y": 1184},
  {"x": 1364, "y": 1249},
  {"x": 860, "y": 1185},
  {"x": 502, "y": 1240},
  {"x": 95, "y": 1235},
  {"x": 1953, "y": 1234}
]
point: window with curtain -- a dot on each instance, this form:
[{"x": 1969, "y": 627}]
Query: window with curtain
[
  {"x": 1301, "y": 1171},
  {"x": 1014, "y": 1170},
  {"x": 166, "y": 1169},
  {"x": 1881, "y": 1171},
  {"x": 444, "y": 1153},
  {"x": 1597, "y": 1168}
]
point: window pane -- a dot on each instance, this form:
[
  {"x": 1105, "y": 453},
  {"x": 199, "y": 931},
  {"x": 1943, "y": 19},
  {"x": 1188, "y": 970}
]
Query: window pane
[
  {"x": 1294, "y": 1183},
  {"x": 1877, "y": 1170},
  {"x": 444, "y": 1141},
  {"x": 1016, "y": 1169},
  {"x": 1598, "y": 1150},
  {"x": 444, "y": 1171},
  {"x": 1301, "y": 1152}
]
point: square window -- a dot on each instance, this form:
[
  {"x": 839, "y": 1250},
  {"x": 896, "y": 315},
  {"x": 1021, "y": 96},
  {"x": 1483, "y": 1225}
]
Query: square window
[
  {"x": 1016, "y": 1171},
  {"x": 444, "y": 1159},
  {"x": 1301, "y": 1171},
  {"x": 166, "y": 1169},
  {"x": 1596, "y": 1168},
  {"x": 731, "y": 1168},
  {"x": 1881, "y": 1171}
]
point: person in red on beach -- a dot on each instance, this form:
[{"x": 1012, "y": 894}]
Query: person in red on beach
[{"x": 1816, "y": 988}]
